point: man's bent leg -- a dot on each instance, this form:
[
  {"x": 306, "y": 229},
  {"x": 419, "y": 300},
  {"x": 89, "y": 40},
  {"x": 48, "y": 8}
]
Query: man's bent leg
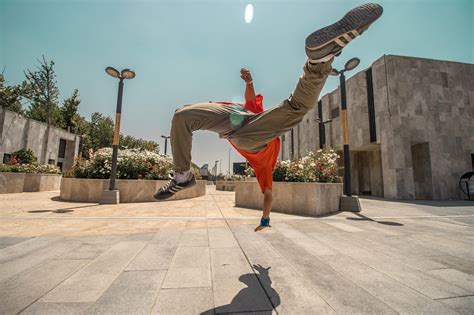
[
  {"x": 270, "y": 124},
  {"x": 201, "y": 116}
]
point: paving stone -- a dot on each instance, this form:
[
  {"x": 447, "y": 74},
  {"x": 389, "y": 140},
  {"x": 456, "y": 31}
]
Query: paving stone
[
  {"x": 413, "y": 278},
  {"x": 19, "y": 291},
  {"x": 399, "y": 297},
  {"x": 133, "y": 292},
  {"x": 345, "y": 227},
  {"x": 21, "y": 256},
  {"x": 455, "y": 277},
  {"x": 184, "y": 301},
  {"x": 236, "y": 288},
  {"x": 461, "y": 264},
  {"x": 462, "y": 305},
  {"x": 8, "y": 241},
  {"x": 190, "y": 267},
  {"x": 40, "y": 308},
  {"x": 289, "y": 292},
  {"x": 343, "y": 295},
  {"x": 88, "y": 284},
  {"x": 194, "y": 237},
  {"x": 153, "y": 257},
  {"x": 168, "y": 237},
  {"x": 221, "y": 238}
]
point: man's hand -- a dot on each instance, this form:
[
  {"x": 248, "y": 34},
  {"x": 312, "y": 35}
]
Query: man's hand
[{"x": 245, "y": 75}]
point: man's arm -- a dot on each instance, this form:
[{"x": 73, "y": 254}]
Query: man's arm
[{"x": 249, "y": 91}]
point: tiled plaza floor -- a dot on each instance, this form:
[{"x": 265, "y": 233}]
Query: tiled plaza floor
[{"x": 202, "y": 256}]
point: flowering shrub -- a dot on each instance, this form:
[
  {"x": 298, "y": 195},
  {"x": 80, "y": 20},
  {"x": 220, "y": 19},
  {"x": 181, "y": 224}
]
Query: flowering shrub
[
  {"x": 131, "y": 164},
  {"x": 232, "y": 177},
  {"x": 23, "y": 156},
  {"x": 34, "y": 168},
  {"x": 319, "y": 166}
]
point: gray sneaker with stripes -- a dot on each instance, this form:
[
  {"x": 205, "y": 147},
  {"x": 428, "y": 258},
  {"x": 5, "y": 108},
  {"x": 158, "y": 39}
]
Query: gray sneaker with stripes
[
  {"x": 172, "y": 187},
  {"x": 330, "y": 40}
]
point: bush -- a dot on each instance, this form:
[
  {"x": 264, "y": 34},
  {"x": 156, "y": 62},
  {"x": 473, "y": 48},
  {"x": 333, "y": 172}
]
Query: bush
[
  {"x": 319, "y": 166},
  {"x": 131, "y": 164},
  {"x": 232, "y": 177},
  {"x": 34, "y": 168},
  {"x": 24, "y": 156}
]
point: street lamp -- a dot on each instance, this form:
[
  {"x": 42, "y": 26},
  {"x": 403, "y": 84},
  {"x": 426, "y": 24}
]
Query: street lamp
[
  {"x": 166, "y": 142},
  {"x": 126, "y": 74},
  {"x": 350, "y": 65}
]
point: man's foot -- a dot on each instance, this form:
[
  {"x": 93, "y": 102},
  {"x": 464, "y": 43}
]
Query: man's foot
[
  {"x": 173, "y": 186},
  {"x": 330, "y": 40},
  {"x": 264, "y": 223}
]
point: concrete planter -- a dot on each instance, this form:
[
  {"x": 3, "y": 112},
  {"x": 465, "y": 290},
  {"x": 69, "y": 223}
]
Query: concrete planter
[
  {"x": 131, "y": 190},
  {"x": 312, "y": 199},
  {"x": 225, "y": 185},
  {"x": 28, "y": 182},
  {"x": 11, "y": 182},
  {"x": 42, "y": 182}
]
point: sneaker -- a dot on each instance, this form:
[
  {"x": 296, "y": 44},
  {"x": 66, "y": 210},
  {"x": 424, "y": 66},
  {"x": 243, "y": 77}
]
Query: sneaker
[
  {"x": 331, "y": 39},
  {"x": 172, "y": 187}
]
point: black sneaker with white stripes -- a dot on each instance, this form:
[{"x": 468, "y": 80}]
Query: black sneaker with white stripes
[
  {"x": 172, "y": 187},
  {"x": 330, "y": 40}
]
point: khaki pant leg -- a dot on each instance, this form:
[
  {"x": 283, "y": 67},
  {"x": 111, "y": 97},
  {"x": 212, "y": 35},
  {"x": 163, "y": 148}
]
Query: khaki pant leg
[
  {"x": 273, "y": 122},
  {"x": 201, "y": 116}
]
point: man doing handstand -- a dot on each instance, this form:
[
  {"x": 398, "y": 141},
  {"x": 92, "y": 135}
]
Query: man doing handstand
[{"x": 252, "y": 131}]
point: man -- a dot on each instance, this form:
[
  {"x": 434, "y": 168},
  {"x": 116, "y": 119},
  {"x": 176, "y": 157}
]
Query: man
[{"x": 254, "y": 132}]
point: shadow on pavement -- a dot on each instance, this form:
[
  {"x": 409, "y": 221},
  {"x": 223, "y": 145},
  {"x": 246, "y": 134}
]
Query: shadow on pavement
[
  {"x": 430, "y": 203},
  {"x": 251, "y": 298},
  {"x": 362, "y": 217}
]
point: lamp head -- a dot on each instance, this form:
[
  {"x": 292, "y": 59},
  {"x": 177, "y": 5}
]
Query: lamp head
[
  {"x": 112, "y": 72},
  {"x": 351, "y": 64},
  {"x": 128, "y": 74}
]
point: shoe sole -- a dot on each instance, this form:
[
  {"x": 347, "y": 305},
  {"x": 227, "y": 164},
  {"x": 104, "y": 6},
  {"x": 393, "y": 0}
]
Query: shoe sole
[
  {"x": 166, "y": 198},
  {"x": 346, "y": 29}
]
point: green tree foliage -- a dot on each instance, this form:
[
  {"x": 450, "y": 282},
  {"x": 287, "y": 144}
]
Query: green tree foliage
[
  {"x": 70, "y": 112},
  {"x": 130, "y": 142},
  {"x": 10, "y": 96},
  {"x": 41, "y": 90},
  {"x": 101, "y": 131}
]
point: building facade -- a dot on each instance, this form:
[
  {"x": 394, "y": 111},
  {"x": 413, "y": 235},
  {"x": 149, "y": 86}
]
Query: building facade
[
  {"x": 411, "y": 128},
  {"x": 51, "y": 145}
]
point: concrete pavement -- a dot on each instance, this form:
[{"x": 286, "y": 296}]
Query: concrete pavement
[{"x": 202, "y": 256}]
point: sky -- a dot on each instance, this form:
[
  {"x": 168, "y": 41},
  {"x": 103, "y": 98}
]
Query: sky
[{"x": 192, "y": 51}]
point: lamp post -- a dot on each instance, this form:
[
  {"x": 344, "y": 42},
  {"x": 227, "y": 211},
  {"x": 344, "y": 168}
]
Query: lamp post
[
  {"x": 350, "y": 65},
  {"x": 166, "y": 142},
  {"x": 229, "y": 160},
  {"x": 322, "y": 131},
  {"x": 123, "y": 75}
]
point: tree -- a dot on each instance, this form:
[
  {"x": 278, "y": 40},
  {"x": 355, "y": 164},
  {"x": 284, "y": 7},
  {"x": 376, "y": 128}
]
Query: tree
[
  {"x": 131, "y": 142},
  {"x": 101, "y": 131},
  {"x": 70, "y": 112},
  {"x": 41, "y": 90},
  {"x": 10, "y": 96}
]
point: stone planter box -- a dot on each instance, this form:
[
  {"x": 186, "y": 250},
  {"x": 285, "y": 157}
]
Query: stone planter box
[
  {"x": 11, "y": 182},
  {"x": 42, "y": 182},
  {"x": 225, "y": 185},
  {"x": 28, "y": 182},
  {"x": 131, "y": 190},
  {"x": 314, "y": 199}
]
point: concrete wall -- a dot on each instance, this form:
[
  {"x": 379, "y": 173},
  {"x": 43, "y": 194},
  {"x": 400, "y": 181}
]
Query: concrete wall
[
  {"x": 416, "y": 101},
  {"x": 18, "y": 132}
]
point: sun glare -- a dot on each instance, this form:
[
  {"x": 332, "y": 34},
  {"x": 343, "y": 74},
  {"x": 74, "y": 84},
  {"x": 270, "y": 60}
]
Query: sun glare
[{"x": 248, "y": 13}]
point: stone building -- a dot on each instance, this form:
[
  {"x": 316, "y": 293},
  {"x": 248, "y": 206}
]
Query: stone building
[
  {"x": 51, "y": 145},
  {"x": 411, "y": 128}
]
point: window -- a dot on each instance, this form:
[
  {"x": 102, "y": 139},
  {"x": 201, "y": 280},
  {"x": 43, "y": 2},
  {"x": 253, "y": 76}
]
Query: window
[
  {"x": 62, "y": 149},
  {"x": 371, "y": 105},
  {"x": 6, "y": 158}
]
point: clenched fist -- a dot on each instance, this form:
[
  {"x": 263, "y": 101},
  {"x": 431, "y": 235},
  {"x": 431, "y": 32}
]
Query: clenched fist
[{"x": 245, "y": 75}]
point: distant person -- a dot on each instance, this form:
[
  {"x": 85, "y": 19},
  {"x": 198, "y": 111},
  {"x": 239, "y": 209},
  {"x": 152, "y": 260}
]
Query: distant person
[{"x": 252, "y": 131}]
